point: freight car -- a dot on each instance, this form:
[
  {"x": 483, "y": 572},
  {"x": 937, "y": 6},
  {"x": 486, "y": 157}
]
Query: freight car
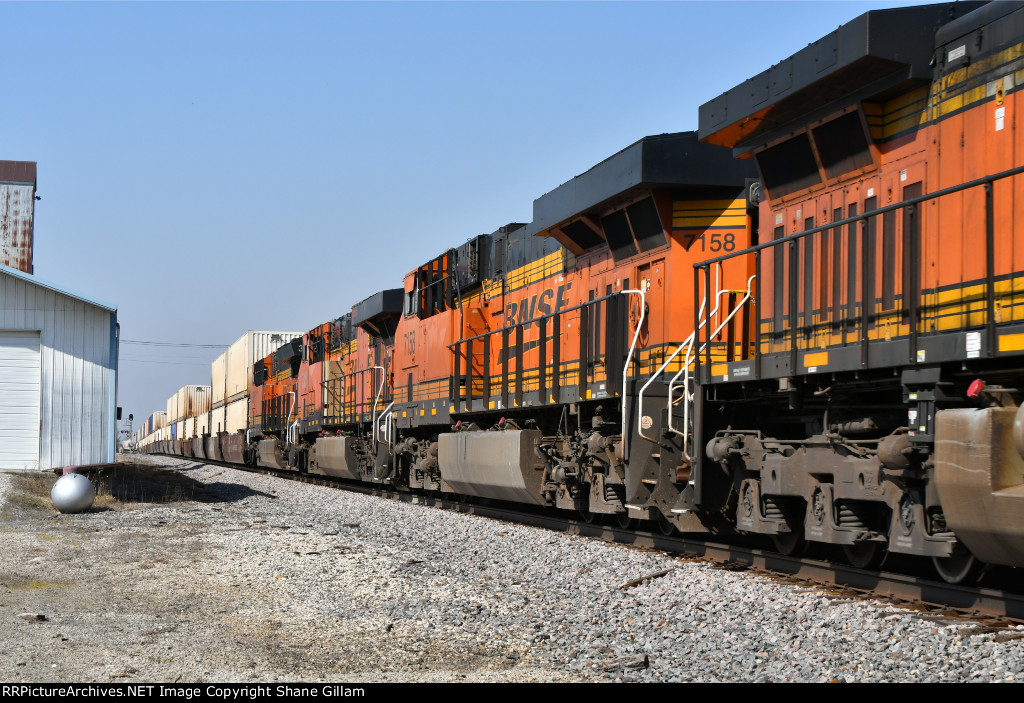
[{"x": 819, "y": 341}]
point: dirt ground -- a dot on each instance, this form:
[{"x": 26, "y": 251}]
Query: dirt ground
[{"x": 142, "y": 588}]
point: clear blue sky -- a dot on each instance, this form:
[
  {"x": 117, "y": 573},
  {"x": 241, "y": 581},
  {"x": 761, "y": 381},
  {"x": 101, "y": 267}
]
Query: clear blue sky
[{"x": 216, "y": 167}]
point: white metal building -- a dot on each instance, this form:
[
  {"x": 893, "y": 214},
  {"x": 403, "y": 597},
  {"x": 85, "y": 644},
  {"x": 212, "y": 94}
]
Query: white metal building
[{"x": 58, "y": 375}]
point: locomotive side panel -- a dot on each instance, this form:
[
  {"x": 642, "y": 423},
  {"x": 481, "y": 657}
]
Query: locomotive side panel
[{"x": 871, "y": 330}]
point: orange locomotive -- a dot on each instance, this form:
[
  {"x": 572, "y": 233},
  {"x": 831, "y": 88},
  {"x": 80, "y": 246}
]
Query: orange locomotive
[
  {"x": 819, "y": 341},
  {"x": 518, "y": 355},
  {"x": 517, "y": 366},
  {"x": 877, "y": 410},
  {"x": 313, "y": 402}
]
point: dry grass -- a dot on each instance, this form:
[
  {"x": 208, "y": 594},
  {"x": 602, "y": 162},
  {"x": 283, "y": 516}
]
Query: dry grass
[
  {"x": 142, "y": 483},
  {"x": 127, "y": 485},
  {"x": 30, "y": 492}
]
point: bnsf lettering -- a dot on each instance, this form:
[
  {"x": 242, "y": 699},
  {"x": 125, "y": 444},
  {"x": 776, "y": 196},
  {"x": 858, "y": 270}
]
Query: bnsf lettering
[{"x": 537, "y": 306}]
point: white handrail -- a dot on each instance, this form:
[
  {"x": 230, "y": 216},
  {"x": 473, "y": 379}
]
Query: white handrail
[
  {"x": 380, "y": 389},
  {"x": 688, "y": 340},
  {"x": 295, "y": 424},
  {"x": 686, "y": 369},
  {"x": 625, "y": 367},
  {"x": 387, "y": 430}
]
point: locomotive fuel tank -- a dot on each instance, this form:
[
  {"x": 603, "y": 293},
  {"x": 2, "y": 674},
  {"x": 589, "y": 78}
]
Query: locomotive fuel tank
[
  {"x": 980, "y": 478},
  {"x": 270, "y": 453},
  {"x": 500, "y": 465},
  {"x": 335, "y": 456}
]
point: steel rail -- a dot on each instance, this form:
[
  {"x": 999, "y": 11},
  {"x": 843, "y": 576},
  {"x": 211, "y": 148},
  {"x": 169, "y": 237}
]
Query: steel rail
[{"x": 903, "y": 589}]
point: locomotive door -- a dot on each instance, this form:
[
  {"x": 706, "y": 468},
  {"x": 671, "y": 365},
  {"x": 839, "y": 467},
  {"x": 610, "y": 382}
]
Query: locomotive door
[
  {"x": 650, "y": 279},
  {"x": 475, "y": 323}
]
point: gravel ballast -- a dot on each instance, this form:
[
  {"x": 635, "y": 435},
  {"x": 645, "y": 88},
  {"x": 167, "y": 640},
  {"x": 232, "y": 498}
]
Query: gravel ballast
[{"x": 251, "y": 578}]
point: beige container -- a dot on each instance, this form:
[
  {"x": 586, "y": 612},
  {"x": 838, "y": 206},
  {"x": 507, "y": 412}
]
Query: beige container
[
  {"x": 172, "y": 409},
  {"x": 202, "y": 424},
  {"x": 159, "y": 420},
  {"x": 244, "y": 352},
  {"x": 237, "y": 415},
  {"x": 193, "y": 401},
  {"x": 217, "y": 423},
  {"x": 190, "y": 428},
  {"x": 219, "y": 380}
]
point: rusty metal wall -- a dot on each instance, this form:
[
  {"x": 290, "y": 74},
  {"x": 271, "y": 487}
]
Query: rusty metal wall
[
  {"x": 191, "y": 401},
  {"x": 17, "y": 208}
]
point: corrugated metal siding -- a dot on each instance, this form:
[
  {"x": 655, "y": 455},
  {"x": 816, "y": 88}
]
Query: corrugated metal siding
[
  {"x": 19, "y": 399},
  {"x": 17, "y": 207},
  {"x": 77, "y": 370},
  {"x": 192, "y": 400}
]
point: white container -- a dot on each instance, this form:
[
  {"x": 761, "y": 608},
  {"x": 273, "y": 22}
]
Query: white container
[
  {"x": 190, "y": 428},
  {"x": 219, "y": 380},
  {"x": 192, "y": 401},
  {"x": 237, "y": 415},
  {"x": 172, "y": 409},
  {"x": 250, "y": 347},
  {"x": 217, "y": 421},
  {"x": 202, "y": 424}
]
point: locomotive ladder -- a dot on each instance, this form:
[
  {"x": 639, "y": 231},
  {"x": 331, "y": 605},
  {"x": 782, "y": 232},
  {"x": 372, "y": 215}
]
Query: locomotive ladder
[
  {"x": 687, "y": 397},
  {"x": 689, "y": 358}
]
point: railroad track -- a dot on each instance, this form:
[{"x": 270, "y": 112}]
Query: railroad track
[{"x": 996, "y": 607}]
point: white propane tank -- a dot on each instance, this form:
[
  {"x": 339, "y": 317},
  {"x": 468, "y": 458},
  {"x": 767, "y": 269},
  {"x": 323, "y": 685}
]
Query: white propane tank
[{"x": 73, "y": 493}]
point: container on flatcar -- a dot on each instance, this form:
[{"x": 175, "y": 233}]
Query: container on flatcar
[
  {"x": 216, "y": 422},
  {"x": 219, "y": 380},
  {"x": 193, "y": 400},
  {"x": 236, "y": 415},
  {"x": 243, "y": 353}
]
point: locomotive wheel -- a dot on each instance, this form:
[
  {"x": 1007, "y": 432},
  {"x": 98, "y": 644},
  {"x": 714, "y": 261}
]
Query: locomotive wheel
[
  {"x": 666, "y": 526},
  {"x": 583, "y": 510},
  {"x": 624, "y": 521},
  {"x": 961, "y": 568},
  {"x": 792, "y": 544},
  {"x": 865, "y": 555}
]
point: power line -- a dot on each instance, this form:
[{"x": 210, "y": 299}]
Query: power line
[
  {"x": 174, "y": 344},
  {"x": 172, "y": 363}
]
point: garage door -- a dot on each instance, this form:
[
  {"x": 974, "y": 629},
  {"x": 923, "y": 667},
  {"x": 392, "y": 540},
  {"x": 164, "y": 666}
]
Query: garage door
[{"x": 19, "y": 400}]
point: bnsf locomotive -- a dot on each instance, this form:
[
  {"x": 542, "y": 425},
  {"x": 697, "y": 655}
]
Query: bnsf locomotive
[{"x": 804, "y": 321}]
